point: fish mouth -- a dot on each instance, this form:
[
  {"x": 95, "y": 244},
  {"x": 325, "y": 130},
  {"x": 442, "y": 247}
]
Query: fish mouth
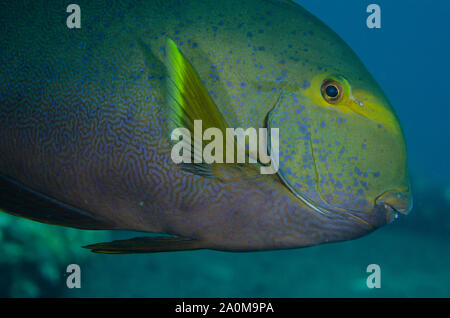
[
  {"x": 386, "y": 208},
  {"x": 392, "y": 202},
  {"x": 398, "y": 201}
]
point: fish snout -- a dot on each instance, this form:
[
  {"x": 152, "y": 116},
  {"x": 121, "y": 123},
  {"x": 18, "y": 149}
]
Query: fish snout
[{"x": 397, "y": 201}]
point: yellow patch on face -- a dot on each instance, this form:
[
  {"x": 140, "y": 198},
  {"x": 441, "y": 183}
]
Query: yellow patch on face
[{"x": 353, "y": 101}]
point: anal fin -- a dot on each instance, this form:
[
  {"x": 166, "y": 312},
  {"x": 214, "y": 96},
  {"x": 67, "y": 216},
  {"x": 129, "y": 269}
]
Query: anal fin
[
  {"x": 154, "y": 244},
  {"x": 20, "y": 200}
]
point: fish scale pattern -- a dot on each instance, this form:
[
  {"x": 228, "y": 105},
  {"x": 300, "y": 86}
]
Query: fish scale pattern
[{"x": 83, "y": 115}]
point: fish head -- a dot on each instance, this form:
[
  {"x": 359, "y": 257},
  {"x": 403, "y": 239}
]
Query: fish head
[{"x": 342, "y": 149}]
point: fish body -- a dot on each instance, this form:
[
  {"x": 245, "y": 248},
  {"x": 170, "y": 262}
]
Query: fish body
[{"x": 84, "y": 116}]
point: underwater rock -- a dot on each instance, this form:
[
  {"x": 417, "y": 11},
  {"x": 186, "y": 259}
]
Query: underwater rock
[{"x": 34, "y": 256}]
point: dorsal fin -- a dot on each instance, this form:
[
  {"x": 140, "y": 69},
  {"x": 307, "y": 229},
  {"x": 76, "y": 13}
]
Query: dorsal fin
[{"x": 19, "y": 200}]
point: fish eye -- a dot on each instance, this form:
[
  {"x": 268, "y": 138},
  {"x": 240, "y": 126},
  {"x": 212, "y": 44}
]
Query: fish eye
[{"x": 332, "y": 91}]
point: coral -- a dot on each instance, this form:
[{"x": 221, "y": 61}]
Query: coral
[{"x": 34, "y": 256}]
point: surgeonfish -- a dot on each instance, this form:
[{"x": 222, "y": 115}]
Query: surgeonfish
[{"x": 87, "y": 115}]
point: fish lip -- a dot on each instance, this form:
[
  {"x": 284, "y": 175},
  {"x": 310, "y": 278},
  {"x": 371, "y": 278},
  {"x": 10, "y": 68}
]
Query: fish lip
[
  {"x": 390, "y": 213},
  {"x": 399, "y": 201},
  {"x": 404, "y": 211}
]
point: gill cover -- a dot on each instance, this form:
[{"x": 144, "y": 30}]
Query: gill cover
[{"x": 334, "y": 157}]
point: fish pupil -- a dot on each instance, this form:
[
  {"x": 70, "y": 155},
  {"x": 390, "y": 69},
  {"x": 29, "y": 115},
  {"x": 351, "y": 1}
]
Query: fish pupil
[{"x": 332, "y": 91}]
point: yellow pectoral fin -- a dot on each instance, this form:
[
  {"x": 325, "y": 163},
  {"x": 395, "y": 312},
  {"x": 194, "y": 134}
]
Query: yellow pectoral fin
[
  {"x": 188, "y": 99},
  {"x": 191, "y": 107}
]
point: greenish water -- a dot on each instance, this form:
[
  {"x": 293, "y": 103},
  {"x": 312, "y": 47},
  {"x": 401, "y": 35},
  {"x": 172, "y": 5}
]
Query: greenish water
[{"x": 413, "y": 255}]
